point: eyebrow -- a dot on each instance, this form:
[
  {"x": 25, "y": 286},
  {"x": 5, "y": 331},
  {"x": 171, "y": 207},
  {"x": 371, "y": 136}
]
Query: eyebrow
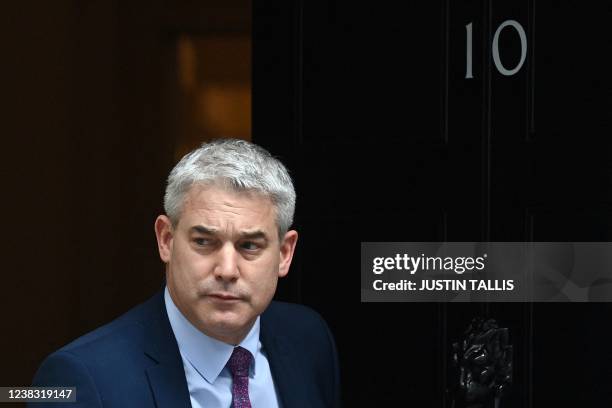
[
  {"x": 203, "y": 230},
  {"x": 256, "y": 234}
]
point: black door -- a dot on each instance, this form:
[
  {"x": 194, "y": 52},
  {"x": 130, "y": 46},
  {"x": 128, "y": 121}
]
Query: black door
[{"x": 441, "y": 121}]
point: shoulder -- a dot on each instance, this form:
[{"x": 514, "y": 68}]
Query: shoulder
[
  {"x": 288, "y": 312},
  {"x": 291, "y": 318},
  {"x": 301, "y": 325},
  {"x": 124, "y": 332},
  {"x": 107, "y": 358}
]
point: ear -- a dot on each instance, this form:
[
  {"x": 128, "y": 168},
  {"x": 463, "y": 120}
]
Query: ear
[
  {"x": 164, "y": 233},
  {"x": 287, "y": 247}
]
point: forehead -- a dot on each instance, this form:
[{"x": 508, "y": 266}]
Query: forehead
[{"x": 226, "y": 209}]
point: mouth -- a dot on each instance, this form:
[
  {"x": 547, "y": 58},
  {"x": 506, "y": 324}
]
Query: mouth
[{"x": 225, "y": 297}]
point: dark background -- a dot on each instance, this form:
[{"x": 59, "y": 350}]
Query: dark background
[{"x": 369, "y": 107}]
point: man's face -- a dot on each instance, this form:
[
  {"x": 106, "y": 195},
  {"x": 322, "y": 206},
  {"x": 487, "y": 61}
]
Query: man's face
[{"x": 223, "y": 259}]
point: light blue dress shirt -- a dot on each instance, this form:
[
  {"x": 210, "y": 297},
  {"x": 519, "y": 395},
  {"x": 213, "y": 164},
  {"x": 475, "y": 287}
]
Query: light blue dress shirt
[{"x": 204, "y": 359}]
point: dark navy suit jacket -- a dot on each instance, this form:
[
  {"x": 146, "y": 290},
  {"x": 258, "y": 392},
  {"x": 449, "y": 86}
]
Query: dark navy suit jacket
[{"x": 134, "y": 361}]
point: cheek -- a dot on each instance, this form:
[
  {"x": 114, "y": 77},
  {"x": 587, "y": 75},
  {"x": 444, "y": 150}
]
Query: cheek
[
  {"x": 187, "y": 264},
  {"x": 265, "y": 266},
  {"x": 263, "y": 277}
]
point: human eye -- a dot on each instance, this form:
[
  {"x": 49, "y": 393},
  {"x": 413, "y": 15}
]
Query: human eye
[
  {"x": 250, "y": 246},
  {"x": 202, "y": 242}
]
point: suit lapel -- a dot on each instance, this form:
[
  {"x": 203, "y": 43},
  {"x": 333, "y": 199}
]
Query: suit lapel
[
  {"x": 285, "y": 372},
  {"x": 167, "y": 375},
  {"x": 168, "y": 385}
]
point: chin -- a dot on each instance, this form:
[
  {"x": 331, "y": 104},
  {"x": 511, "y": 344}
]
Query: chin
[{"x": 226, "y": 321}]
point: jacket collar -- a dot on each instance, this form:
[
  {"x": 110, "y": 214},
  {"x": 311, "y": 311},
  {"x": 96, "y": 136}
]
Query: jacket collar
[
  {"x": 167, "y": 377},
  {"x": 285, "y": 369}
]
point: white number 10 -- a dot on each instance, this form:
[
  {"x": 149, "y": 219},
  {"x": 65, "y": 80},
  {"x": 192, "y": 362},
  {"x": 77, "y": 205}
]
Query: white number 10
[{"x": 495, "y": 49}]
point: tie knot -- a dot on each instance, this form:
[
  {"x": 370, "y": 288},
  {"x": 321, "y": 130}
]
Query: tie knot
[{"x": 240, "y": 361}]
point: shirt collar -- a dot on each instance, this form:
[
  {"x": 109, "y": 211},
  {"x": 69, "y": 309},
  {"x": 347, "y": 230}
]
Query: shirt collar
[{"x": 207, "y": 355}]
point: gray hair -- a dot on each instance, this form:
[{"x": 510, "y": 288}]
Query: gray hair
[{"x": 239, "y": 165}]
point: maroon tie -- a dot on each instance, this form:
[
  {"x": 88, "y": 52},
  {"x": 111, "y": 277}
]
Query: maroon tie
[{"x": 239, "y": 364}]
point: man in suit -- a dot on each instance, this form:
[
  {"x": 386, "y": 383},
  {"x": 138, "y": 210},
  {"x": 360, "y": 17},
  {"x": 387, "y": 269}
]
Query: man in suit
[{"x": 212, "y": 337}]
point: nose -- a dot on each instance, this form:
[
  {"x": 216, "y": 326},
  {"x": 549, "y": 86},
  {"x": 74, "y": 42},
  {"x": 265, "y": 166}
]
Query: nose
[{"x": 226, "y": 267}]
